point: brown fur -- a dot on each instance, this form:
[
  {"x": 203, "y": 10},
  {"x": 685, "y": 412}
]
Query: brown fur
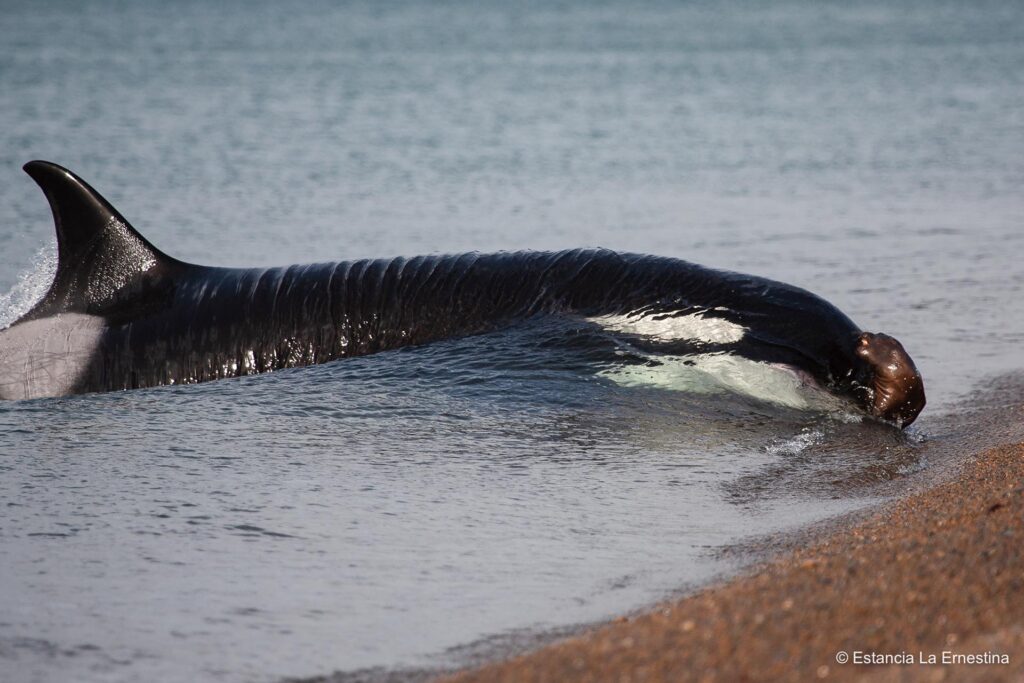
[{"x": 897, "y": 387}]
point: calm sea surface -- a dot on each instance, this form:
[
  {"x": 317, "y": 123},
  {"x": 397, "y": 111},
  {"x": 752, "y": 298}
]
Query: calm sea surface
[{"x": 378, "y": 511}]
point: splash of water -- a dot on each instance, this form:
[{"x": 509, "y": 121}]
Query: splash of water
[
  {"x": 31, "y": 285},
  {"x": 808, "y": 436}
]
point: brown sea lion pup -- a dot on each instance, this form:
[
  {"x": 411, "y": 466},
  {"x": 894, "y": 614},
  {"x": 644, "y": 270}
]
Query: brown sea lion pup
[{"x": 897, "y": 390}]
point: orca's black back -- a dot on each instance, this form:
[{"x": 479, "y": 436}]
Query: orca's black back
[{"x": 216, "y": 322}]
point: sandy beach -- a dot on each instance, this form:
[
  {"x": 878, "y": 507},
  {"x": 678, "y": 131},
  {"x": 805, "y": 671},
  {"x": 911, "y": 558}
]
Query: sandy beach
[
  {"x": 533, "y": 338},
  {"x": 929, "y": 587}
]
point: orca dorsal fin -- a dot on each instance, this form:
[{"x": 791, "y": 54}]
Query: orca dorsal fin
[{"x": 99, "y": 254}]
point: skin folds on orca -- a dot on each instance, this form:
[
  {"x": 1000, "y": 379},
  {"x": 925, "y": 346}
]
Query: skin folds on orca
[{"x": 120, "y": 314}]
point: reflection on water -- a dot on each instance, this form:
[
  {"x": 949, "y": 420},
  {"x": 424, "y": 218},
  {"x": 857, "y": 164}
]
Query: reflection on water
[
  {"x": 840, "y": 460},
  {"x": 380, "y": 510},
  {"x": 329, "y": 515}
]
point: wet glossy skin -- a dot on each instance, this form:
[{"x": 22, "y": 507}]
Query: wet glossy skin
[
  {"x": 142, "y": 318},
  {"x": 897, "y": 389}
]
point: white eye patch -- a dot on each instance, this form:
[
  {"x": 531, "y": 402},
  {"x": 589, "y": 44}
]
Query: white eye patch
[{"x": 692, "y": 327}]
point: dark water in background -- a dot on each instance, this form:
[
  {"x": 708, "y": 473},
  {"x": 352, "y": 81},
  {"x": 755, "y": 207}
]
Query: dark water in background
[{"x": 379, "y": 510}]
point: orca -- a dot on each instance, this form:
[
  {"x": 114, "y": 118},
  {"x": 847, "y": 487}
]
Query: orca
[{"x": 120, "y": 314}]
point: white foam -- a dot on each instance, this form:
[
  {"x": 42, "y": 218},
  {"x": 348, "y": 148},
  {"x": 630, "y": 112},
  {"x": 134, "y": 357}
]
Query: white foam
[
  {"x": 809, "y": 436},
  {"x": 692, "y": 327},
  {"x": 720, "y": 373},
  {"x": 31, "y": 286}
]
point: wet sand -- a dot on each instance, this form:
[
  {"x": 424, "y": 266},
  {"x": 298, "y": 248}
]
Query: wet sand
[{"x": 938, "y": 573}]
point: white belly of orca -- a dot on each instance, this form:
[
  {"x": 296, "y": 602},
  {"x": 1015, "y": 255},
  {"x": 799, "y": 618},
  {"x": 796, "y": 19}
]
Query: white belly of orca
[
  {"x": 716, "y": 373},
  {"x": 711, "y": 373},
  {"x": 47, "y": 357}
]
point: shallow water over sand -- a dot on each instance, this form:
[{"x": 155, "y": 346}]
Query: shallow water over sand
[{"x": 380, "y": 510}]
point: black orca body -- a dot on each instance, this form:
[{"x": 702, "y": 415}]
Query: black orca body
[{"x": 122, "y": 315}]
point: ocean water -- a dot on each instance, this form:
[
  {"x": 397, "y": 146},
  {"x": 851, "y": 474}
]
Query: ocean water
[{"x": 380, "y": 511}]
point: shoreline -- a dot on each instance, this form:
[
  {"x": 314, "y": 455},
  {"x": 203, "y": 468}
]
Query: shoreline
[
  {"x": 879, "y": 580},
  {"x": 935, "y": 573}
]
